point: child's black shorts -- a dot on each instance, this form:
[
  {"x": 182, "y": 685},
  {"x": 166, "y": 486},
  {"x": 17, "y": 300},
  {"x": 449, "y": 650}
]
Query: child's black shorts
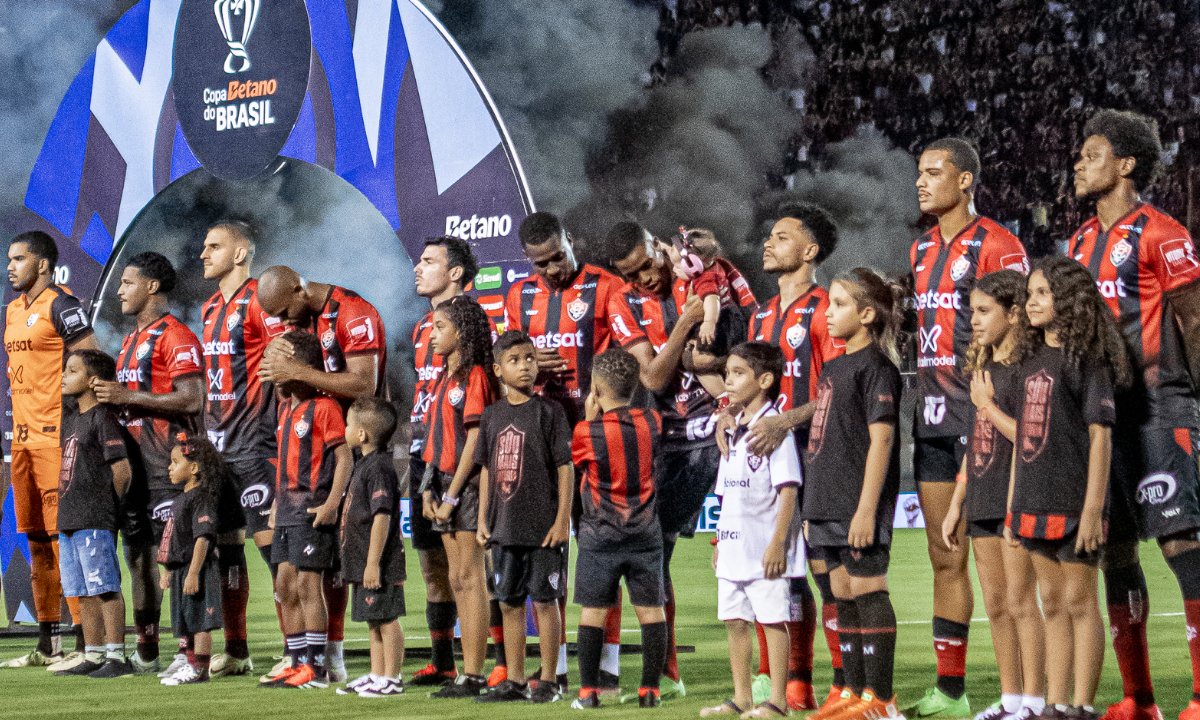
[
  {"x": 828, "y": 541},
  {"x": 308, "y": 548},
  {"x": 519, "y": 572},
  {"x": 200, "y": 612},
  {"x": 598, "y": 576},
  {"x": 382, "y": 605},
  {"x": 1062, "y": 550}
]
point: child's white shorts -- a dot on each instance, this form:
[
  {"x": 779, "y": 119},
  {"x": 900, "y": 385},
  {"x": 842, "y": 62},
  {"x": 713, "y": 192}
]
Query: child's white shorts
[{"x": 767, "y": 601}]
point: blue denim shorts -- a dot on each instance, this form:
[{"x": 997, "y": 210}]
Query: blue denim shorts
[{"x": 87, "y": 563}]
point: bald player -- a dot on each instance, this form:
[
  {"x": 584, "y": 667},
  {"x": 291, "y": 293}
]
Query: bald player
[{"x": 43, "y": 324}]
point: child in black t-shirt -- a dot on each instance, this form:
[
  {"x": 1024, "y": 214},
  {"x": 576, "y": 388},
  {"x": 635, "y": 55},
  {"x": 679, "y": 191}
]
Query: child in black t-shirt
[
  {"x": 372, "y": 550},
  {"x": 95, "y": 474},
  {"x": 525, "y": 495},
  {"x": 1061, "y": 463},
  {"x": 187, "y": 549},
  {"x": 853, "y": 473},
  {"x": 1001, "y": 337}
]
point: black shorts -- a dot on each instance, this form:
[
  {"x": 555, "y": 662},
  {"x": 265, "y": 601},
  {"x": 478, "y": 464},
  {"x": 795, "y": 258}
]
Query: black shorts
[
  {"x": 985, "y": 528},
  {"x": 598, "y": 576},
  {"x": 465, "y": 517},
  {"x": 938, "y": 459},
  {"x": 688, "y": 476},
  {"x": 520, "y": 572},
  {"x": 1061, "y": 550},
  {"x": 1154, "y": 490},
  {"x": 308, "y": 548},
  {"x": 828, "y": 541},
  {"x": 200, "y": 612},
  {"x": 162, "y": 503},
  {"x": 381, "y": 606},
  {"x": 424, "y": 537},
  {"x": 253, "y": 491},
  {"x": 136, "y": 527}
]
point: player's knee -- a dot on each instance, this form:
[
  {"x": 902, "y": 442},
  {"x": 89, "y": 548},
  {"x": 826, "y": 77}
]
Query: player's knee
[
  {"x": 995, "y": 601},
  {"x": 948, "y": 564},
  {"x": 1174, "y": 545}
]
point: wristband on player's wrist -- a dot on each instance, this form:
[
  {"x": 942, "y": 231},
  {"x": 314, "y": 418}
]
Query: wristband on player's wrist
[{"x": 448, "y": 499}]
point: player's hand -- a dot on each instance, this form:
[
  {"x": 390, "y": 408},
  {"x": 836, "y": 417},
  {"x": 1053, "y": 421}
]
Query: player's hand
[
  {"x": 558, "y": 535},
  {"x": 443, "y": 512},
  {"x": 1091, "y": 532},
  {"x": 982, "y": 391},
  {"x": 1008, "y": 536},
  {"x": 862, "y": 530},
  {"x": 708, "y": 333},
  {"x": 483, "y": 535},
  {"x": 591, "y": 407},
  {"x": 371, "y": 576},
  {"x": 280, "y": 346},
  {"x": 693, "y": 311},
  {"x": 112, "y": 393},
  {"x": 428, "y": 505},
  {"x": 324, "y": 514},
  {"x": 191, "y": 584},
  {"x": 725, "y": 423},
  {"x": 164, "y": 581},
  {"x": 279, "y": 368},
  {"x": 767, "y": 435},
  {"x": 774, "y": 561},
  {"x": 950, "y": 526},
  {"x": 549, "y": 361}
]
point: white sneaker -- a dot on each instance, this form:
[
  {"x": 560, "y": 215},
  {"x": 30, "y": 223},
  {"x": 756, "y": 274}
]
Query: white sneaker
[
  {"x": 384, "y": 687},
  {"x": 224, "y": 665},
  {"x": 144, "y": 667},
  {"x": 71, "y": 660},
  {"x": 176, "y": 662},
  {"x": 335, "y": 662},
  {"x": 355, "y": 685},
  {"x": 35, "y": 658},
  {"x": 185, "y": 675},
  {"x": 284, "y": 663}
]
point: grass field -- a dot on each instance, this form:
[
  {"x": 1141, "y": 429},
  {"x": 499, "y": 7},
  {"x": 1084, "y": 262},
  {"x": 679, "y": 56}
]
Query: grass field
[{"x": 36, "y": 694}]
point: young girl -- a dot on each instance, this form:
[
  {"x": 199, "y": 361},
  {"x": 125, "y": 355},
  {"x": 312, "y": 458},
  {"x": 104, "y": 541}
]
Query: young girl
[
  {"x": 450, "y": 491},
  {"x": 695, "y": 257},
  {"x": 1001, "y": 339},
  {"x": 1061, "y": 462},
  {"x": 187, "y": 552},
  {"x": 852, "y": 475}
]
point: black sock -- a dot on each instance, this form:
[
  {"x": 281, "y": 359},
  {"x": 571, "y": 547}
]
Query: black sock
[
  {"x": 440, "y": 617},
  {"x": 496, "y": 630},
  {"x": 877, "y": 628},
  {"x": 851, "y": 644},
  {"x": 1186, "y": 566},
  {"x": 80, "y": 645},
  {"x": 296, "y": 648},
  {"x": 145, "y": 622},
  {"x": 46, "y": 633},
  {"x": 654, "y": 653},
  {"x": 316, "y": 641},
  {"x": 590, "y": 642},
  {"x": 952, "y": 681}
]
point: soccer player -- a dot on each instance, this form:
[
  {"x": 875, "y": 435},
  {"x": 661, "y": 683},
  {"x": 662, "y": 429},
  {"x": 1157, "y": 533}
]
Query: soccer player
[
  {"x": 1145, "y": 266},
  {"x": 524, "y": 452},
  {"x": 446, "y": 266},
  {"x": 239, "y": 416},
  {"x": 563, "y": 306},
  {"x": 946, "y": 261},
  {"x": 160, "y": 393},
  {"x": 647, "y": 321},
  {"x": 794, "y": 321},
  {"x": 42, "y": 324}
]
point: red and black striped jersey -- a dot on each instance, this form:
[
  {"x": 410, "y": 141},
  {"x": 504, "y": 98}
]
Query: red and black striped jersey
[
  {"x": 308, "y": 433},
  {"x": 455, "y": 407},
  {"x": 348, "y": 325},
  {"x": 617, "y": 455},
  {"x": 721, "y": 278},
  {"x": 429, "y": 368},
  {"x": 239, "y": 410},
  {"x": 802, "y": 333},
  {"x": 688, "y": 411},
  {"x": 151, "y": 360},
  {"x": 572, "y": 322},
  {"x": 1136, "y": 262},
  {"x": 944, "y": 272}
]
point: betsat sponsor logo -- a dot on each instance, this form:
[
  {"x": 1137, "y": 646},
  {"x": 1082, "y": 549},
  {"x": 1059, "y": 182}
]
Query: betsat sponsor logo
[{"x": 932, "y": 300}]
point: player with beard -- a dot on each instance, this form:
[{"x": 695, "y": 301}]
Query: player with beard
[
  {"x": 354, "y": 351},
  {"x": 43, "y": 324},
  {"x": 946, "y": 261},
  {"x": 445, "y": 268},
  {"x": 1145, "y": 265},
  {"x": 563, "y": 307},
  {"x": 159, "y": 392},
  {"x": 648, "y": 321}
]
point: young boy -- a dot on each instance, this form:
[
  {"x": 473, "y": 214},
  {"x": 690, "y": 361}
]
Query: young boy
[
  {"x": 95, "y": 474},
  {"x": 313, "y": 472},
  {"x": 525, "y": 497},
  {"x": 617, "y": 450},
  {"x": 372, "y": 551},
  {"x": 758, "y": 545}
]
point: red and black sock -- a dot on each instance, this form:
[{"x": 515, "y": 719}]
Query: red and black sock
[
  {"x": 851, "y": 646},
  {"x": 671, "y": 667},
  {"x": 590, "y": 641},
  {"x": 802, "y": 631},
  {"x": 654, "y": 653},
  {"x": 877, "y": 630},
  {"x": 950, "y": 646},
  {"x": 612, "y": 623},
  {"x": 764, "y": 657},
  {"x": 1128, "y": 608},
  {"x": 496, "y": 630},
  {"x": 145, "y": 623},
  {"x": 1186, "y": 566},
  {"x": 337, "y": 596},
  {"x": 440, "y": 617},
  {"x": 235, "y": 596},
  {"x": 187, "y": 646},
  {"x": 829, "y": 622}
]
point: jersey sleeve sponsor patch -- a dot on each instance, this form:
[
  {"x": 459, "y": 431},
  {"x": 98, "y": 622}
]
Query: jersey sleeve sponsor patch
[{"x": 1179, "y": 257}]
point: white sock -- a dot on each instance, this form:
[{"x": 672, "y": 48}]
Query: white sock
[
  {"x": 333, "y": 651},
  {"x": 1036, "y": 703},
  {"x": 114, "y": 651},
  {"x": 610, "y": 658},
  {"x": 561, "y": 669},
  {"x": 95, "y": 653}
]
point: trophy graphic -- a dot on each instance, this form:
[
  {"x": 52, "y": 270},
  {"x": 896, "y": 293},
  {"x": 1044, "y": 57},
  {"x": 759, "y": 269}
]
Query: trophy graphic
[{"x": 225, "y": 11}]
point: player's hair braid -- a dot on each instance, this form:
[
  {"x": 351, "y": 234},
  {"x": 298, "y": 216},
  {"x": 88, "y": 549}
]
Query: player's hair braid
[
  {"x": 1009, "y": 289},
  {"x": 474, "y": 334},
  {"x": 870, "y": 289},
  {"x": 1085, "y": 325}
]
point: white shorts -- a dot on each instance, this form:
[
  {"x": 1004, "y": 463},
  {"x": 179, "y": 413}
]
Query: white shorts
[{"x": 767, "y": 601}]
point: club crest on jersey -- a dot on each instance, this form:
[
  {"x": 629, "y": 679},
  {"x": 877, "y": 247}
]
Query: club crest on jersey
[
  {"x": 232, "y": 321},
  {"x": 327, "y": 339},
  {"x": 576, "y": 309},
  {"x": 959, "y": 269},
  {"x": 796, "y": 335},
  {"x": 1120, "y": 252},
  {"x": 301, "y": 429},
  {"x": 31, "y": 320},
  {"x": 456, "y": 396},
  {"x": 143, "y": 350},
  {"x": 754, "y": 461}
]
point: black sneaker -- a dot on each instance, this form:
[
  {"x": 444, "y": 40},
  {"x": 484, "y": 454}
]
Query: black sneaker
[
  {"x": 112, "y": 668},
  {"x": 543, "y": 692},
  {"x": 87, "y": 667},
  {"x": 507, "y": 691},
  {"x": 1052, "y": 712},
  {"x": 1082, "y": 712},
  {"x": 649, "y": 698},
  {"x": 609, "y": 684},
  {"x": 591, "y": 701},
  {"x": 563, "y": 683},
  {"x": 463, "y": 686}
]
